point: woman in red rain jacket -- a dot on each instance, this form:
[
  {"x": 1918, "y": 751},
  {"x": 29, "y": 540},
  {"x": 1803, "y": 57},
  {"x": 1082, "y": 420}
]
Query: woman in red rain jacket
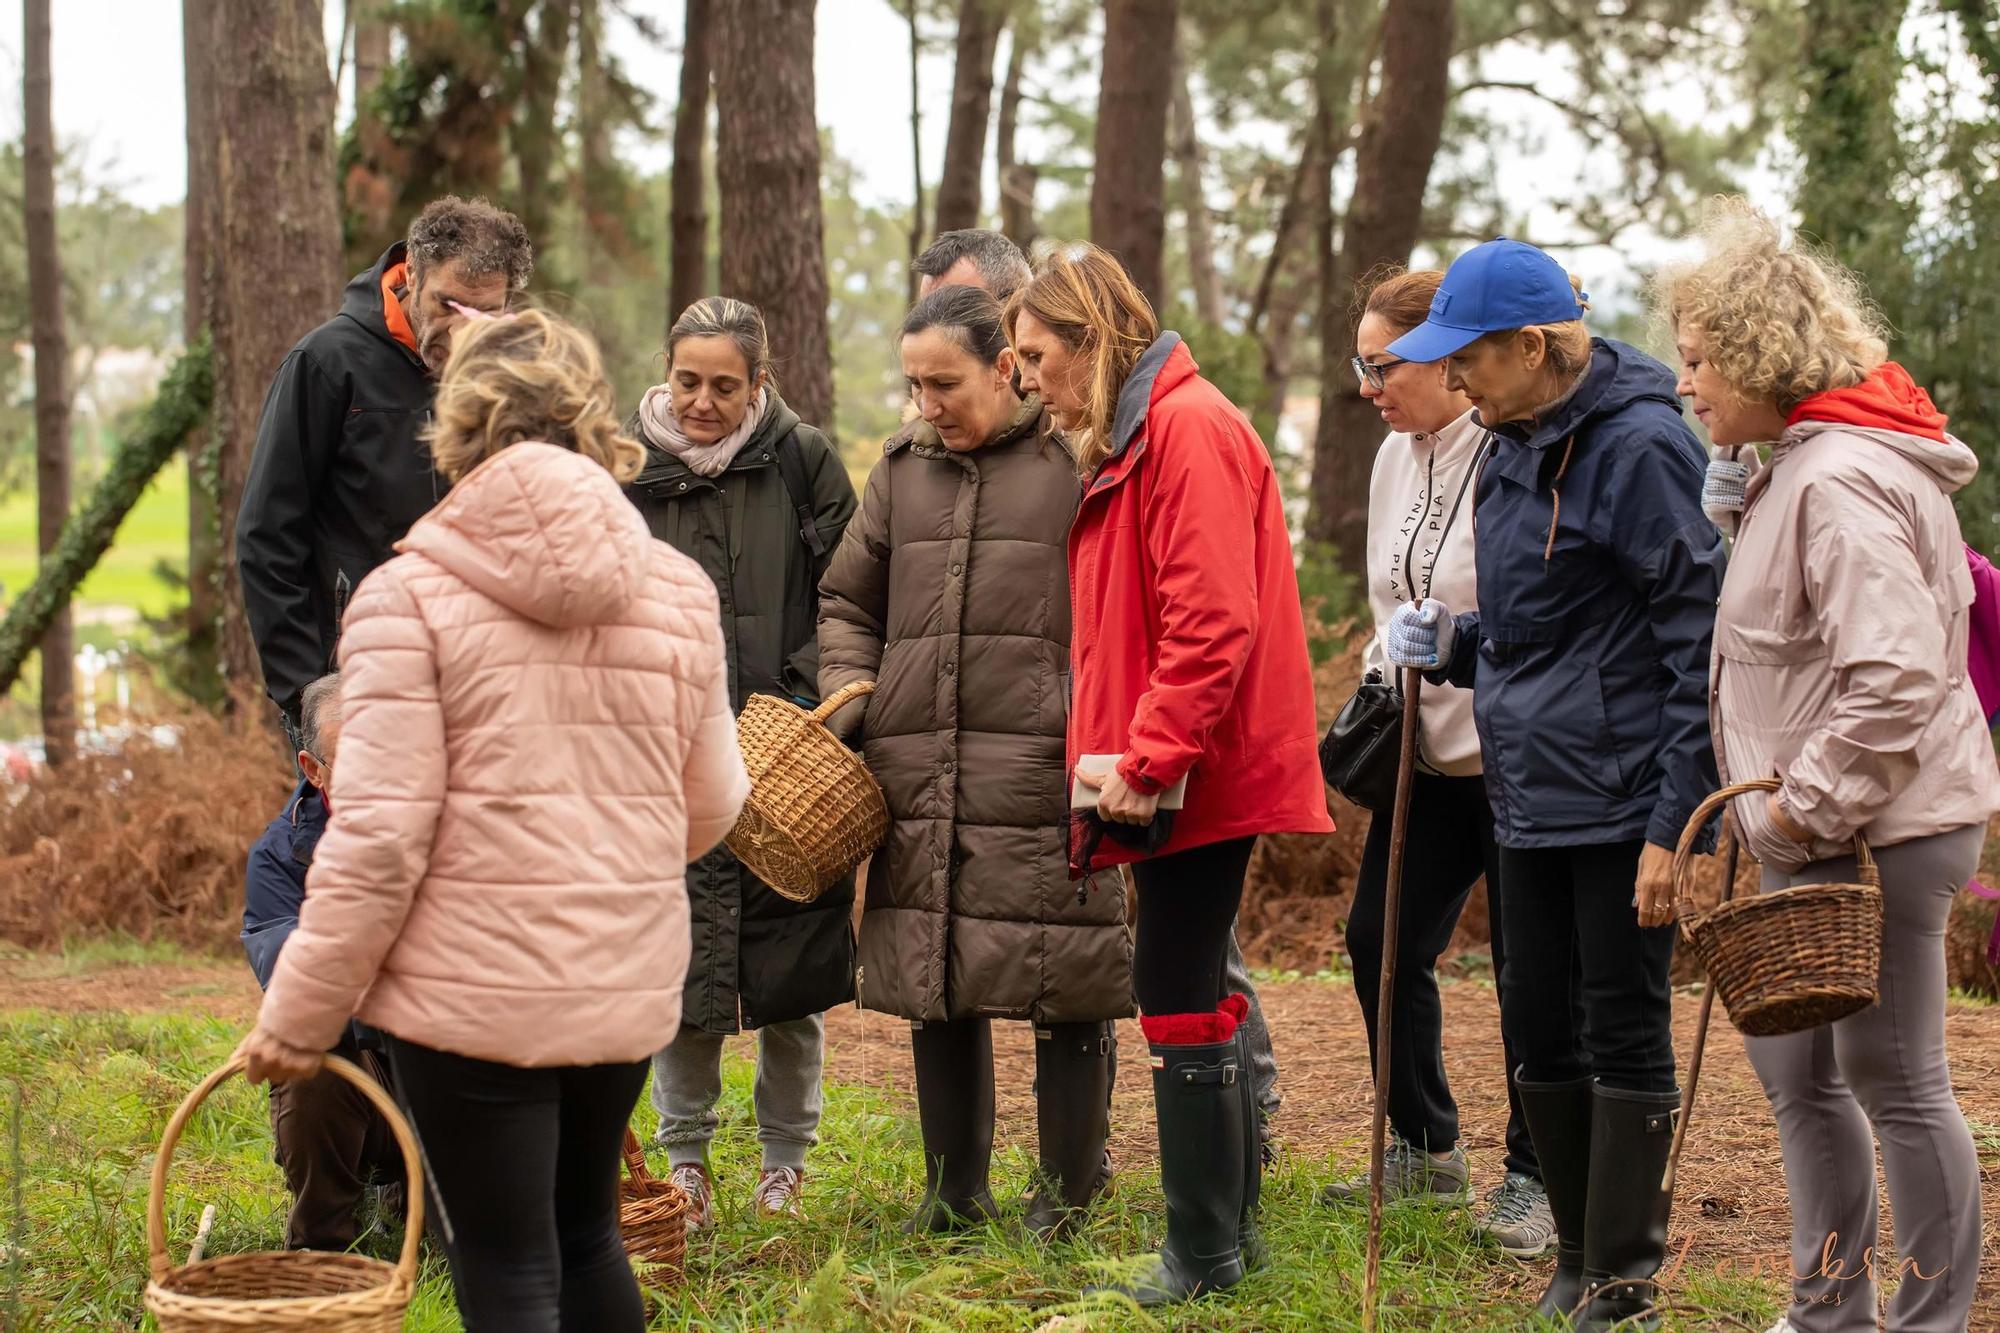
[{"x": 1188, "y": 660}]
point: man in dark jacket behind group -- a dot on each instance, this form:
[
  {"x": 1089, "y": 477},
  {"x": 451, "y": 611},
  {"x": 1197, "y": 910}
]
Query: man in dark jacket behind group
[{"x": 340, "y": 470}]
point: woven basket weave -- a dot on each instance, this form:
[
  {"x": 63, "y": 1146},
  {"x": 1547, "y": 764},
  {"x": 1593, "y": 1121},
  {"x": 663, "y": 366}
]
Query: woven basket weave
[
  {"x": 814, "y": 810},
  {"x": 297, "y": 1289},
  {"x": 1787, "y": 961},
  {"x": 652, "y": 1217}
]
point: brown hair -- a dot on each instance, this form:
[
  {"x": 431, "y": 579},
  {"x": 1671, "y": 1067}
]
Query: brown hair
[
  {"x": 485, "y": 239},
  {"x": 727, "y": 317},
  {"x": 528, "y": 376},
  {"x": 1399, "y": 297},
  {"x": 1782, "y": 322},
  {"x": 1088, "y": 300}
]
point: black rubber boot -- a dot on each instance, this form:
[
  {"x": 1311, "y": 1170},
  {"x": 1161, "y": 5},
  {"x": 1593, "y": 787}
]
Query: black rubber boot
[
  {"x": 954, "y": 1063},
  {"x": 1199, "y": 1107},
  {"x": 1072, "y": 1119},
  {"x": 1625, "y": 1230},
  {"x": 1559, "y": 1121},
  {"x": 1250, "y": 1240}
]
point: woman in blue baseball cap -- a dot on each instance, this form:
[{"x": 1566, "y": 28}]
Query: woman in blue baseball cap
[{"x": 1588, "y": 659}]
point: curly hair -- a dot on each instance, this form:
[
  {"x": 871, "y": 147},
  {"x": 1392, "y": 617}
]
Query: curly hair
[
  {"x": 485, "y": 239},
  {"x": 526, "y": 377},
  {"x": 1782, "y": 322}
]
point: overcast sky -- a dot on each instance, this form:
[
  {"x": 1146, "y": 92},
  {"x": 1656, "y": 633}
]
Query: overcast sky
[{"x": 117, "y": 77}]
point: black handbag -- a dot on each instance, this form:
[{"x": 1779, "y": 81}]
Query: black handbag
[{"x": 1362, "y": 750}]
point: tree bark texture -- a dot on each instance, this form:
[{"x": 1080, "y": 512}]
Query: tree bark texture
[
  {"x": 1188, "y": 170},
  {"x": 51, "y": 343},
  {"x": 198, "y": 221},
  {"x": 1017, "y": 178},
  {"x": 1400, "y": 131},
  {"x": 277, "y": 221},
  {"x": 538, "y": 133},
  {"x": 916, "y": 158},
  {"x": 958, "y": 194},
  {"x": 372, "y": 30},
  {"x": 689, "y": 208},
  {"x": 1128, "y": 214},
  {"x": 767, "y": 173},
  {"x": 176, "y": 410}
]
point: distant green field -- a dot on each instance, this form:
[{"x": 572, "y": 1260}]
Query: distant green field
[{"x": 155, "y": 531}]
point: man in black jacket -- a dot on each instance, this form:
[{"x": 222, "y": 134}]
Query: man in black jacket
[{"x": 341, "y": 470}]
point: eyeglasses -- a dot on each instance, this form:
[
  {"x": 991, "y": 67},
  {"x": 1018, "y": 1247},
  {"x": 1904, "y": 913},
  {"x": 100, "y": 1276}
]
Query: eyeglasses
[{"x": 1373, "y": 373}]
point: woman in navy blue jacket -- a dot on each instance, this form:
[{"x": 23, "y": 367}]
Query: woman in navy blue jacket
[{"x": 1588, "y": 657}]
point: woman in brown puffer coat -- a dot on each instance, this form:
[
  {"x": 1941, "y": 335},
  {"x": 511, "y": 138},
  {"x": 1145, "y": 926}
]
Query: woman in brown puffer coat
[{"x": 950, "y": 591}]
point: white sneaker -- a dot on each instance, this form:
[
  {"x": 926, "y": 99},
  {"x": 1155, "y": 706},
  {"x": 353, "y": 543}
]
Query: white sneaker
[
  {"x": 692, "y": 1177},
  {"x": 1784, "y": 1325}
]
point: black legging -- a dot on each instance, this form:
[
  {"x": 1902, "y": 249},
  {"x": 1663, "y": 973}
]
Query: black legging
[
  {"x": 1187, "y": 907},
  {"x": 1450, "y": 846},
  {"x": 523, "y": 1172}
]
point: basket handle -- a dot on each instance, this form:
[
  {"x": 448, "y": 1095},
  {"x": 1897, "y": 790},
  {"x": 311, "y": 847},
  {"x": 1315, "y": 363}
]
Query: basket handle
[
  {"x": 413, "y": 1167},
  {"x": 1684, "y": 853},
  {"x": 635, "y": 1159},
  {"x": 840, "y": 698}
]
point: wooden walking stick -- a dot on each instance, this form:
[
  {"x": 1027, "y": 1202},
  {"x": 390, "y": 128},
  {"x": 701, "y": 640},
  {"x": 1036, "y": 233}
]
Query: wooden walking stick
[
  {"x": 1730, "y": 848},
  {"x": 1392, "y": 907}
]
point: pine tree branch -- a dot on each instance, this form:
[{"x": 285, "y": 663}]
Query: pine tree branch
[{"x": 181, "y": 404}]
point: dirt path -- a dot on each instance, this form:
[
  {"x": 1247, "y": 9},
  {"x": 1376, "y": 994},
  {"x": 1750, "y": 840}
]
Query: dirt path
[{"x": 1730, "y": 1209}]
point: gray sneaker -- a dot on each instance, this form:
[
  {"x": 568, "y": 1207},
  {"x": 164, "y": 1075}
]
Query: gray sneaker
[
  {"x": 1408, "y": 1172},
  {"x": 1518, "y": 1217}
]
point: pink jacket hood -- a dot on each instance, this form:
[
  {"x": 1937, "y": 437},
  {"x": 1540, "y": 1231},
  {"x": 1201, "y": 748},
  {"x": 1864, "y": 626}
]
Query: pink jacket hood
[{"x": 544, "y": 532}]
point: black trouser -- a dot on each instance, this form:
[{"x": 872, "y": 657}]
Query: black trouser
[
  {"x": 1586, "y": 990},
  {"x": 1187, "y": 907},
  {"x": 330, "y": 1142},
  {"x": 523, "y": 1174},
  {"x": 1450, "y": 846}
]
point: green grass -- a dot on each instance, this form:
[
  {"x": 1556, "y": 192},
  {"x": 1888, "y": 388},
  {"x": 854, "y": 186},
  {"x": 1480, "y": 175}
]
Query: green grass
[
  {"x": 154, "y": 531},
  {"x": 99, "y": 1088}
]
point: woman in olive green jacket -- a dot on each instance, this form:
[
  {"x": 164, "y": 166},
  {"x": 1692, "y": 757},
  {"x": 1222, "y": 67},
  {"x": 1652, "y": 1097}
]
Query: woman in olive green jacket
[
  {"x": 736, "y": 481},
  {"x": 951, "y": 592}
]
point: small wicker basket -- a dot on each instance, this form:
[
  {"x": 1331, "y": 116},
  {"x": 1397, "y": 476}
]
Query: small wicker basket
[
  {"x": 814, "y": 810},
  {"x": 296, "y": 1289},
  {"x": 652, "y": 1217},
  {"x": 1787, "y": 961}
]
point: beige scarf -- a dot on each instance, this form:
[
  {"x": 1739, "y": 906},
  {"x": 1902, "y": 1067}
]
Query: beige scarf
[{"x": 658, "y": 424}]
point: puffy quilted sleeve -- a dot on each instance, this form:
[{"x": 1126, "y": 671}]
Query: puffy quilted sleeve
[
  {"x": 389, "y": 785},
  {"x": 854, "y": 602},
  {"x": 714, "y": 780}
]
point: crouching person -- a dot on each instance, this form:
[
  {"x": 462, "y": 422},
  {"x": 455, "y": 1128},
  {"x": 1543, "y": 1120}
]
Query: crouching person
[{"x": 330, "y": 1139}]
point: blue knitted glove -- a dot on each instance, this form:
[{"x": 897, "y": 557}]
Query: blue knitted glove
[
  {"x": 1724, "y": 489},
  {"x": 1421, "y": 635}
]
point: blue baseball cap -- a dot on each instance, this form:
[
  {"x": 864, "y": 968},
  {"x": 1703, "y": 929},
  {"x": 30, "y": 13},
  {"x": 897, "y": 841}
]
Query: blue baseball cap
[{"x": 1502, "y": 284}]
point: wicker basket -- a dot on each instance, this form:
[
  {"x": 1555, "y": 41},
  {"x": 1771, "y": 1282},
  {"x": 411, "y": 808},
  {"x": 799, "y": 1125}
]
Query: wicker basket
[
  {"x": 814, "y": 810},
  {"x": 652, "y": 1217},
  {"x": 297, "y": 1289},
  {"x": 1791, "y": 960}
]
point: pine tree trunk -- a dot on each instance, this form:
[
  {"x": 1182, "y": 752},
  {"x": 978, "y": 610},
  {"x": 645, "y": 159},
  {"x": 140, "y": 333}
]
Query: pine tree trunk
[
  {"x": 277, "y": 222},
  {"x": 177, "y": 410},
  {"x": 971, "y": 108},
  {"x": 1400, "y": 132},
  {"x": 538, "y": 133},
  {"x": 1186, "y": 138},
  {"x": 916, "y": 158},
  {"x": 198, "y": 222},
  {"x": 690, "y": 189},
  {"x": 1017, "y": 179},
  {"x": 1848, "y": 137},
  {"x": 767, "y": 172},
  {"x": 1128, "y": 214},
  {"x": 372, "y": 31},
  {"x": 45, "y": 317}
]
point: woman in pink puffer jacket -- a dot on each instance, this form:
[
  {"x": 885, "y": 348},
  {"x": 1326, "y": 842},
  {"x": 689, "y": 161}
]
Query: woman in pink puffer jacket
[{"x": 538, "y": 740}]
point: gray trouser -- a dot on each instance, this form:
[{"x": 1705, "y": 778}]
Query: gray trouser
[
  {"x": 1263, "y": 1060},
  {"x": 687, "y": 1081},
  {"x": 1884, "y": 1070}
]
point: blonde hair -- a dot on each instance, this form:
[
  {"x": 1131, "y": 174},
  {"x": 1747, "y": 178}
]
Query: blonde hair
[
  {"x": 1782, "y": 322},
  {"x": 528, "y": 376},
  {"x": 1090, "y": 302},
  {"x": 1567, "y": 341}
]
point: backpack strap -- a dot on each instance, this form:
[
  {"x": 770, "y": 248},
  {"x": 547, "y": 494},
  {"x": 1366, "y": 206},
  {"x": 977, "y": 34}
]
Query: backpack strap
[{"x": 792, "y": 469}]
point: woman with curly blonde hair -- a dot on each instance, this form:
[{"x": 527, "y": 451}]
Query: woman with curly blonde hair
[
  {"x": 1840, "y": 670},
  {"x": 538, "y": 740}
]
